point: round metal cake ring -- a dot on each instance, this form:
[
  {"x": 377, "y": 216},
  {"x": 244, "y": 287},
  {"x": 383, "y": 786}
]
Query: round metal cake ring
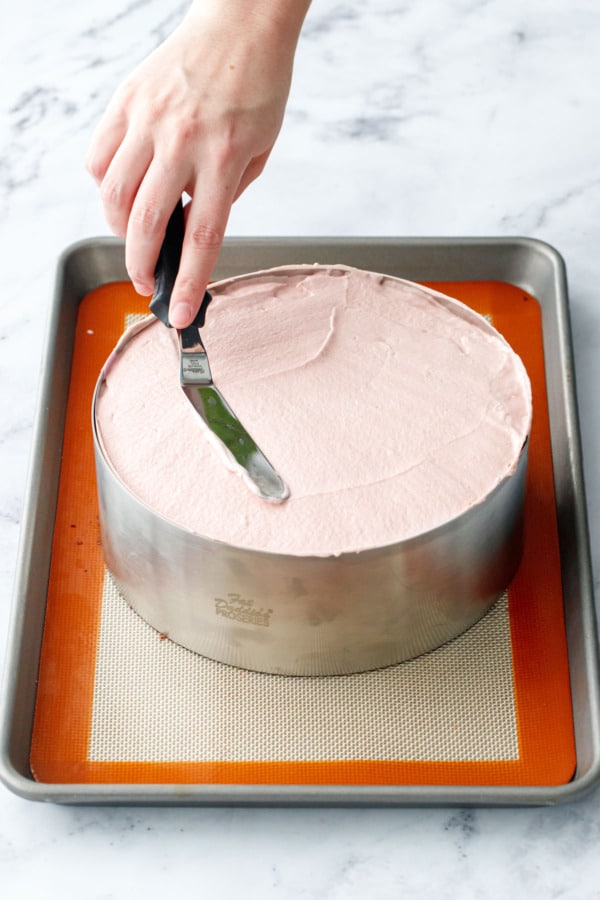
[{"x": 310, "y": 615}]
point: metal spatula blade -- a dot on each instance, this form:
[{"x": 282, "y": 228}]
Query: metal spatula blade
[
  {"x": 209, "y": 403},
  {"x": 196, "y": 378}
]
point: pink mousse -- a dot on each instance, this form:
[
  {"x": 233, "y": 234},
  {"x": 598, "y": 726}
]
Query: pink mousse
[{"x": 386, "y": 407}]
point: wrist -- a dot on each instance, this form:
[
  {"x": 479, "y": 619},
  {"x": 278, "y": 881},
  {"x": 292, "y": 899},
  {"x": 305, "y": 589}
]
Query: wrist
[{"x": 277, "y": 20}]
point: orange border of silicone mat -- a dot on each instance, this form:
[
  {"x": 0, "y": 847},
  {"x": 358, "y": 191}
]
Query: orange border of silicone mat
[{"x": 67, "y": 666}]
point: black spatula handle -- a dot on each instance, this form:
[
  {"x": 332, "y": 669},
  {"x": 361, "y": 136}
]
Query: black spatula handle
[{"x": 167, "y": 267}]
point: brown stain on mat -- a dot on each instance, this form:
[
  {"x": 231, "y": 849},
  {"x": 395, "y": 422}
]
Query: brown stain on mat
[{"x": 59, "y": 746}]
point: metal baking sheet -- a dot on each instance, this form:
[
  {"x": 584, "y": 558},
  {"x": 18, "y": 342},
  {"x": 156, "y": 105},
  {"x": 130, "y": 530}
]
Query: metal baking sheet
[{"x": 528, "y": 264}]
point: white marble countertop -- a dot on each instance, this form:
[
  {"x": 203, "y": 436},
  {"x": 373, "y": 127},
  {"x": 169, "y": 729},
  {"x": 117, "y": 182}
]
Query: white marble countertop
[{"x": 442, "y": 117}]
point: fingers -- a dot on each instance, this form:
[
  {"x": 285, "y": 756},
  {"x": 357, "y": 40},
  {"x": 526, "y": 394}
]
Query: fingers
[
  {"x": 117, "y": 159},
  {"x": 139, "y": 191},
  {"x": 206, "y": 220},
  {"x": 121, "y": 183},
  {"x": 207, "y": 216},
  {"x": 150, "y": 211},
  {"x": 105, "y": 142},
  {"x": 142, "y": 175}
]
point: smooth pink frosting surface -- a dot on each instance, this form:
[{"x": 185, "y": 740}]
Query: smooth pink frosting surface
[{"x": 387, "y": 408}]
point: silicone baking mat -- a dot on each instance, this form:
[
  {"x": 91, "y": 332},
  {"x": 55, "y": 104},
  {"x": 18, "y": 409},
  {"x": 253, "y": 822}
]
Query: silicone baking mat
[{"x": 118, "y": 703}]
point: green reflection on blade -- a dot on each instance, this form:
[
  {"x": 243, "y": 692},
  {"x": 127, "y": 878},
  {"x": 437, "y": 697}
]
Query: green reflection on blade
[{"x": 225, "y": 425}]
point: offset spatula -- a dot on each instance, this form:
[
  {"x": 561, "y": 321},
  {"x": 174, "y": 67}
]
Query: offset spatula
[{"x": 196, "y": 379}]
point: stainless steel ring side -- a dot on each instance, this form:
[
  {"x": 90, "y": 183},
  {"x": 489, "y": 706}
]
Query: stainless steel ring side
[{"x": 310, "y": 615}]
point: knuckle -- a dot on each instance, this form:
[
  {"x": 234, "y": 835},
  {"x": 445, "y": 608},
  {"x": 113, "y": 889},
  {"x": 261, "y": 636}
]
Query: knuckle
[
  {"x": 203, "y": 236},
  {"x": 147, "y": 219},
  {"x": 229, "y": 156},
  {"x": 156, "y": 112},
  {"x": 225, "y": 154},
  {"x": 187, "y": 131},
  {"x": 183, "y": 142},
  {"x": 188, "y": 285},
  {"x": 112, "y": 193}
]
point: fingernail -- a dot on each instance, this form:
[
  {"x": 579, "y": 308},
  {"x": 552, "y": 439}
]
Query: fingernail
[{"x": 180, "y": 315}]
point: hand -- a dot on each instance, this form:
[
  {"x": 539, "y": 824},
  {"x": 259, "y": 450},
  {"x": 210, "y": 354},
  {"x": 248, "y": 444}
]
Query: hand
[{"x": 200, "y": 115}]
